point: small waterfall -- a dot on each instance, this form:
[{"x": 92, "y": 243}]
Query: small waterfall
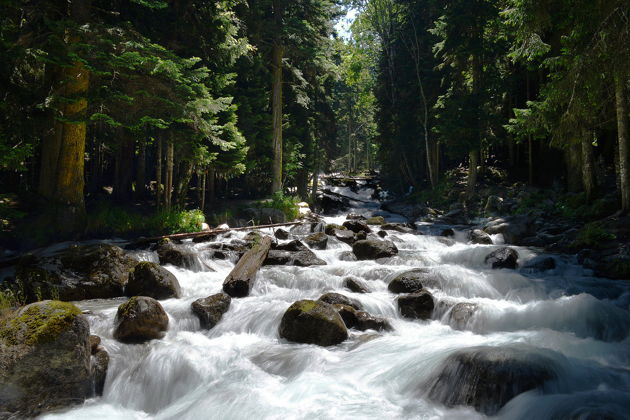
[{"x": 563, "y": 327}]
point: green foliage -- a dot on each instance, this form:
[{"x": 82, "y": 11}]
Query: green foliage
[
  {"x": 285, "y": 203},
  {"x": 592, "y": 235}
]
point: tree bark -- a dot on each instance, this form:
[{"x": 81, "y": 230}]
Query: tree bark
[
  {"x": 276, "y": 110},
  {"x": 622, "y": 139},
  {"x": 211, "y": 185},
  {"x": 588, "y": 175},
  {"x": 168, "y": 190},
  {"x": 473, "y": 162},
  {"x": 185, "y": 174},
  {"x": 124, "y": 166},
  {"x": 158, "y": 174},
  {"x": 573, "y": 158},
  {"x": 141, "y": 169},
  {"x": 241, "y": 279}
]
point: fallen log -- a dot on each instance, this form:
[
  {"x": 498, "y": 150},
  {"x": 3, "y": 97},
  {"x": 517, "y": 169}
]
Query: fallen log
[
  {"x": 210, "y": 232},
  {"x": 241, "y": 279},
  {"x": 335, "y": 194}
]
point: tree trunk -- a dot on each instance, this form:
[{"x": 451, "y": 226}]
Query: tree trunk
[
  {"x": 124, "y": 166},
  {"x": 473, "y": 154},
  {"x": 185, "y": 174},
  {"x": 62, "y": 162},
  {"x": 473, "y": 162},
  {"x": 204, "y": 179},
  {"x": 573, "y": 158},
  {"x": 168, "y": 190},
  {"x": 622, "y": 138},
  {"x": 141, "y": 169},
  {"x": 588, "y": 176},
  {"x": 211, "y": 184},
  {"x": 276, "y": 109},
  {"x": 158, "y": 174}
]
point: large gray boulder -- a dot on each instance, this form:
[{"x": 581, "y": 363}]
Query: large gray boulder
[
  {"x": 177, "y": 254},
  {"x": 150, "y": 279},
  {"x": 76, "y": 273},
  {"x": 210, "y": 310},
  {"x": 478, "y": 236},
  {"x": 44, "y": 359},
  {"x": 317, "y": 240},
  {"x": 412, "y": 281},
  {"x": 356, "y": 226},
  {"x": 513, "y": 228},
  {"x": 355, "y": 285},
  {"x": 361, "y": 320},
  {"x": 370, "y": 249},
  {"x": 486, "y": 378},
  {"x": 313, "y": 322},
  {"x": 337, "y": 298},
  {"x": 139, "y": 319},
  {"x": 302, "y": 258},
  {"x": 417, "y": 305}
]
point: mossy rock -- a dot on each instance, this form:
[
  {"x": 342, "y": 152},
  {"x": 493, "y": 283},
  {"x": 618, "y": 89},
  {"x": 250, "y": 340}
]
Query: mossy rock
[
  {"x": 313, "y": 322},
  {"x": 375, "y": 220},
  {"x": 330, "y": 228},
  {"x": 150, "y": 279},
  {"x": 139, "y": 319},
  {"x": 44, "y": 359}
]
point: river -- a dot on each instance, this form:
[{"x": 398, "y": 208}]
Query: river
[{"x": 242, "y": 369}]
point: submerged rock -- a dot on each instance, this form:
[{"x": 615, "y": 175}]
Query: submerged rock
[
  {"x": 540, "y": 263},
  {"x": 502, "y": 258},
  {"x": 76, "y": 273},
  {"x": 313, "y": 322},
  {"x": 139, "y": 319},
  {"x": 417, "y": 305},
  {"x": 100, "y": 364},
  {"x": 486, "y": 378},
  {"x": 461, "y": 313},
  {"x": 372, "y": 249},
  {"x": 347, "y": 256},
  {"x": 210, "y": 310},
  {"x": 478, "y": 236},
  {"x": 44, "y": 359},
  {"x": 149, "y": 279},
  {"x": 338, "y": 298},
  {"x": 356, "y": 286}
]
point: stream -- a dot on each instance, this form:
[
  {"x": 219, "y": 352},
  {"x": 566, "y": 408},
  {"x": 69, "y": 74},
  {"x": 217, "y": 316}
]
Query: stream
[{"x": 242, "y": 369}]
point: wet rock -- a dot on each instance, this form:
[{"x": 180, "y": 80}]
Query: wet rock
[
  {"x": 486, "y": 378},
  {"x": 307, "y": 228},
  {"x": 375, "y": 220},
  {"x": 304, "y": 258},
  {"x": 205, "y": 238},
  {"x": 292, "y": 246},
  {"x": 253, "y": 237},
  {"x": 332, "y": 204},
  {"x": 361, "y": 236},
  {"x": 356, "y": 226},
  {"x": 100, "y": 364},
  {"x": 513, "y": 228},
  {"x": 177, "y": 255},
  {"x": 371, "y": 249},
  {"x": 281, "y": 234},
  {"x": 347, "y": 256},
  {"x": 616, "y": 266},
  {"x": 540, "y": 263},
  {"x": 478, "y": 236},
  {"x": 502, "y": 258},
  {"x": 345, "y": 236},
  {"x": 347, "y": 313},
  {"x": 366, "y": 321},
  {"x": 313, "y": 322},
  {"x": 44, "y": 359},
  {"x": 461, "y": 313},
  {"x": 354, "y": 216},
  {"x": 95, "y": 341},
  {"x": 317, "y": 240},
  {"x": 417, "y": 305},
  {"x": 330, "y": 228},
  {"x": 411, "y": 281},
  {"x": 139, "y": 319},
  {"x": 381, "y": 233},
  {"x": 76, "y": 273},
  {"x": 447, "y": 233},
  {"x": 338, "y": 298},
  {"x": 494, "y": 205},
  {"x": 210, "y": 310},
  {"x": 149, "y": 279},
  {"x": 354, "y": 285},
  {"x": 398, "y": 227},
  {"x": 410, "y": 210}
]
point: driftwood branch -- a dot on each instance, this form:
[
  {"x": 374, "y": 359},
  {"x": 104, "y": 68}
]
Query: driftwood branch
[{"x": 241, "y": 279}]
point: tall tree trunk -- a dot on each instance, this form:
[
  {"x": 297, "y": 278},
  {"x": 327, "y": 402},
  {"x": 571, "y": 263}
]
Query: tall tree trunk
[
  {"x": 573, "y": 158},
  {"x": 473, "y": 154},
  {"x": 158, "y": 174},
  {"x": 276, "y": 110},
  {"x": 185, "y": 174},
  {"x": 141, "y": 169},
  {"x": 211, "y": 184},
  {"x": 622, "y": 139},
  {"x": 588, "y": 175},
  {"x": 204, "y": 179},
  {"x": 62, "y": 162},
  {"x": 168, "y": 190},
  {"x": 473, "y": 162},
  {"x": 124, "y": 166}
]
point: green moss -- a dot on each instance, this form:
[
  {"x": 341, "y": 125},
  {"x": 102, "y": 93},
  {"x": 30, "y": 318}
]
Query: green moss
[
  {"x": 39, "y": 323},
  {"x": 124, "y": 310},
  {"x": 305, "y": 305},
  {"x": 592, "y": 235},
  {"x": 375, "y": 220}
]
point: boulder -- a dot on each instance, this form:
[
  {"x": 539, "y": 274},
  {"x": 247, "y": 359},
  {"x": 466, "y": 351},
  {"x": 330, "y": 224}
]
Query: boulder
[
  {"x": 375, "y": 220},
  {"x": 139, "y": 319},
  {"x": 478, "y": 236},
  {"x": 100, "y": 364},
  {"x": 338, "y": 298},
  {"x": 211, "y": 309},
  {"x": 356, "y": 226},
  {"x": 76, "y": 273},
  {"x": 616, "y": 266},
  {"x": 371, "y": 249},
  {"x": 540, "y": 263},
  {"x": 177, "y": 255},
  {"x": 382, "y": 233},
  {"x": 447, "y": 233},
  {"x": 413, "y": 281},
  {"x": 317, "y": 240},
  {"x": 44, "y": 359},
  {"x": 361, "y": 320},
  {"x": 502, "y": 258},
  {"x": 486, "y": 377},
  {"x": 292, "y": 246},
  {"x": 354, "y": 285},
  {"x": 345, "y": 236},
  {"x": 417, "y": 305},
  {"x": 398, "y": 227},
  {"x": 513, "y": 228},
  {"x": 461, "y": 313},
  {"x": 410, "y": 210},
  {"x": 304, "y": 258},
  {"x": 330, "y": 228},
  {"x": 347, "y": 256},
  {"x": 494, "y": 205},
  {"x": 281, "y": 234},
  {"x": 149, "y": 279},
  {"x": 330, "y": 203},
  {"x": 354, "y": 216},
  {"x": 313, "y": 322},
  {"x": 95, "y": 342}
]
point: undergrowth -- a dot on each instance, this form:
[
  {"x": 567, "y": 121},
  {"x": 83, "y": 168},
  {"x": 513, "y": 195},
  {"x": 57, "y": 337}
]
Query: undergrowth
[{"x": 285, "y": 203}]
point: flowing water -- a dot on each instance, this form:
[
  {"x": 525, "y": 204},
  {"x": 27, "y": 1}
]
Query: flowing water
[{"x": 242, "y": 369}]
